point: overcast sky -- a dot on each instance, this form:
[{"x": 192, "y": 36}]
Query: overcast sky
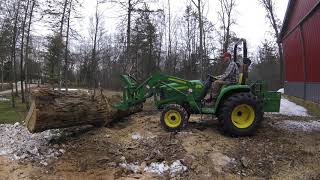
[{"x": 250, "y": 16}]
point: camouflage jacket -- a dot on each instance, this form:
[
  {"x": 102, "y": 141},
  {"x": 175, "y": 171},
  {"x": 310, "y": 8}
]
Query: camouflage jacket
[{"x": 231, "y": 74}]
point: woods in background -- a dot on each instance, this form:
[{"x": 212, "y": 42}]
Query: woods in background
[{"x": 146, "y": 40}]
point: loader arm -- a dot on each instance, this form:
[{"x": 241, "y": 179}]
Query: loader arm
[{"x": 135, "y": 94}]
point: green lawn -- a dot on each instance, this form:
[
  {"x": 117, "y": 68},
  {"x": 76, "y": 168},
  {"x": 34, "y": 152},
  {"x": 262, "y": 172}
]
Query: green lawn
[{"x": 12, "y": 115}]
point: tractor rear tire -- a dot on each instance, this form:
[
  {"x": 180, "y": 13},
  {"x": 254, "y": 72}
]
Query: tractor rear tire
[
  {"x": 240, "y": 115},
  {"x": 173, "y": 117}
]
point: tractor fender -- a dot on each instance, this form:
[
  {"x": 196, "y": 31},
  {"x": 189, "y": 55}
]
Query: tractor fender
[{"x": 228, "y": 91}]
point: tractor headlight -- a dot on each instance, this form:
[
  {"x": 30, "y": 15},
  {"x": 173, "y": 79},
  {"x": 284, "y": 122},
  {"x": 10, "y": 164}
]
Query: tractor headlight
[{"x": 190, "y": 90}]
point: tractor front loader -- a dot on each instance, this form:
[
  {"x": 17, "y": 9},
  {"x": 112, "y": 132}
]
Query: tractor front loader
[{"x": 239, "y": 107}]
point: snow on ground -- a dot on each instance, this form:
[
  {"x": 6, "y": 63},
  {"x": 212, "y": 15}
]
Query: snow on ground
[
  {"x": 2, "y": 99},
  {"x": 163, "y": 167},
  {"x": 18, "y": 144},
  {"x": 291, "y": 109},
  {"x": 281, "y": 91},
  {"x": 156, "y": 167},
  {"x": 134, "y": 167},
  {"x": 298, "y": 126},
  {"x": 137, "y": 136},
  {"x": 70, "y": 89}
]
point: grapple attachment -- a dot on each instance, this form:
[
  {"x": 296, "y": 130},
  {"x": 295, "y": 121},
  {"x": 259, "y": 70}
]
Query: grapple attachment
[{"x": 131, "y": 97}]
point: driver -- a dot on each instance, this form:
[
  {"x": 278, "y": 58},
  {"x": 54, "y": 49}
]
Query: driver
[{"x": 230, "y": 76}]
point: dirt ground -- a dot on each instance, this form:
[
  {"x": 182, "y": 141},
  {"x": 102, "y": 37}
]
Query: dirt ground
[{"x": 92, "y": 153}]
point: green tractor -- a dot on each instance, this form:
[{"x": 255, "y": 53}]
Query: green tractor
[{"x": 239, "y": 107}]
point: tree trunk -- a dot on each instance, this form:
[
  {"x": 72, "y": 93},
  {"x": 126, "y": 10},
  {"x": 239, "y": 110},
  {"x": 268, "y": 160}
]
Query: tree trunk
[
  {"x": 94, "y": 50},
  {"x": 66, "y": 49},
  {"x": 129, "y": 33},
  {"x": 53, "y": 109},
  {"x": 2, "y": 69},
  {"x": 169, "y": 37},
  {"x": 13, "y": 57},
  {"x": 13, "y": 49},
  {"x": 22, "y": 53},
  {"x": 27, "y": 54},
  {"x": 201, "y": 39},
  {"x": 281, "y": 64},
  {"x": 61, "y": 35}
]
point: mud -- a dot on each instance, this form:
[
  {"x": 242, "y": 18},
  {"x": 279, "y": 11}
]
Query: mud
[{"x": 128, "y": 149}]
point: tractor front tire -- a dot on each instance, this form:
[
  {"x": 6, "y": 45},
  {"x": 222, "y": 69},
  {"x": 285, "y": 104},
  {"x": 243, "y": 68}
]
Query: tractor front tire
[
  {"x": 240, "y": 115},
  {"x": 173, "y": 117}
]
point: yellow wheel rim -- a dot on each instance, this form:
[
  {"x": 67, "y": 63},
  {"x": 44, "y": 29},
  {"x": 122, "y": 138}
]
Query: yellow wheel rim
[
  {"x": 243, "y": 116},
  {"x": 172, "y": 118}
]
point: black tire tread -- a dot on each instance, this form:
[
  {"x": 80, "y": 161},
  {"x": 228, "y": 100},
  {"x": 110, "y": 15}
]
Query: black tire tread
[
  {"x": 181, "y": 110},
  {"x": 224, "y": 115}
]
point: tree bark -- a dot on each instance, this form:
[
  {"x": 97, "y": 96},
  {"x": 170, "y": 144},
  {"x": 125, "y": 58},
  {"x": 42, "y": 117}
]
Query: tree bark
[
  {"x": 53, "y": 109},
  {"x": 66, "y": 49},
  {"x": 13, "y": 50},
  {"x": 61, "y": 35},
  {"x": 129, "y": 32},
  {"x": 169, "y": 58},
  {"x": 198, "y": 5},
  {"x": 201, "y": 39},
  {"x": 27, "y": 53},
  {"x": 2, "y": 69},
  {"x": 22, "y": 73},
  {"x": 94, "y": 50}
]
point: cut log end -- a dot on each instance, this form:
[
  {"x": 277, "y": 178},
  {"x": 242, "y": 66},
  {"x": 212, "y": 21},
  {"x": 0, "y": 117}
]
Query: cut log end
[{"x": 54, "y": 110}]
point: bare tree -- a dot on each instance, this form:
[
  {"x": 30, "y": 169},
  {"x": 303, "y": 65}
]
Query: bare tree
[
  {"x": 28, "y": 41},
  {"x": 129, "y": 7},
  {"x": 13, "y": 52},
  {"x": 27, "y": 50},
  {"x": 226, "y": 18},
  {"x": 169, "y": 30},
  {"x": 269, "y": 6},
  {"x": 199, "y": 8},
  {"x": 66, "y": 63},
  {"x": 97, "y": 31},
  {"x": 22, "y": 73}
]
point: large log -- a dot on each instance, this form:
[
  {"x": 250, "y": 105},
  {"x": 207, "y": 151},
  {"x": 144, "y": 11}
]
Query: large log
[{"x": 53, "y": 110}]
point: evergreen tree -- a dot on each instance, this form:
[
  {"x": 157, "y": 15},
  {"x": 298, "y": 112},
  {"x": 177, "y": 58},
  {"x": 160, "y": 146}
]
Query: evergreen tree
[
  {"x": 145, "y": 45},
  {"x": 267, "y": 66},
  {"x": 55, "y": 51}
]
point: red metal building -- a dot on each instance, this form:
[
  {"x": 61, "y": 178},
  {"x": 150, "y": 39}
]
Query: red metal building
[{"x": 300, "y": 36}]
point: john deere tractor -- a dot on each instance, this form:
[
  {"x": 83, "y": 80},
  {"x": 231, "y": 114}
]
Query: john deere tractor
[{"x": 239, "y": 107}]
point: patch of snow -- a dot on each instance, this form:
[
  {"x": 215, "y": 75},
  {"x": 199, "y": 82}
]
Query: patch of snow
[
  {"x": 136, "y": 136},
  {"x": 163, "y": 167},
  {"x": 2, "y": 99},
  {"x": 70, "y": 89},
  {"x": 291, "y": 109},
  {"x": 296, "y": 126},
  {"x": 18, "y": 144},
  {"x": 177, "y": 167},
  {"x": 281, "y": 91},
  {"x": 158, "y": 168},
  {"x": 134, "y": 167}
]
